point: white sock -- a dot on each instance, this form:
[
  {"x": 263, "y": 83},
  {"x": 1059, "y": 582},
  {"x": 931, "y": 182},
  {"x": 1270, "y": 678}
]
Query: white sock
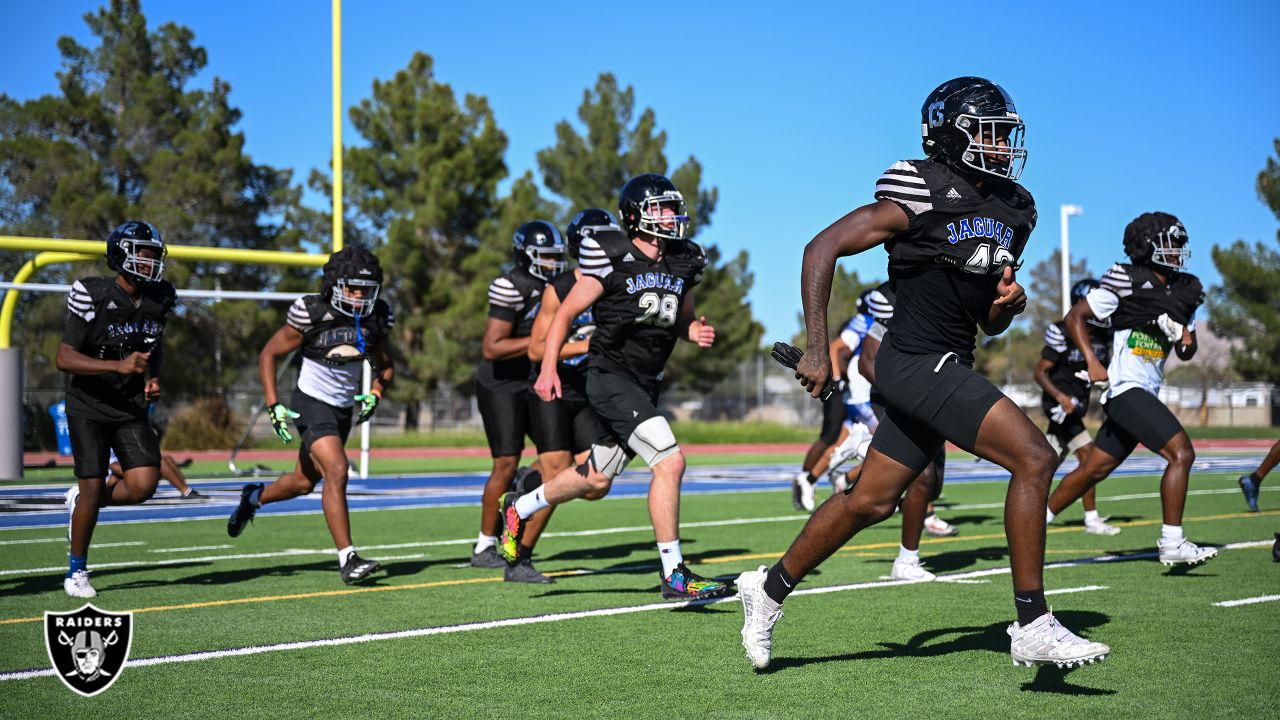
[
  {"x": 484, "y": 542},
  {"x": 255, "y": 497},
  {"x": 669, "y": 553},
  {"x": 528, "y": 504},
  {"x": 345, "y": 553},
  {"x": 905, "y": 554},
  {"x": 1170, "y": 532},
  {"x": 1091, "y": 516},
  {"x": 1048, "y": 516}
]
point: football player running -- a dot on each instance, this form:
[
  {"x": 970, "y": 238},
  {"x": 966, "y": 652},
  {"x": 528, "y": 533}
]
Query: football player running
[
  {"x": 112, "y": 350},
  {"x": 639, "y": 284},
  {"x": 1063, "y": 375},
  {"x": 954, "y": 225},
  {"x": 502, "y": 380},
  {"x": 1151, "y": 304},
  {"x": 336, "y": 329},
  {"x": 563, "y": 428}
]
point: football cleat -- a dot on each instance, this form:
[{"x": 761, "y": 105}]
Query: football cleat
[
  {"x": 1250, "y": 490},
  {"x": 71, "y": 498},
  {"x": 684, "y": 584},
  {"x": 244, "y": 512},
  {"x": 525, "y": 572},
  {"x": 357, "y": 569},
  {"x": 512, "y": 528},
  {"x": 78, "y": 585},
  {"x": 488, "y": 558},
  {"x": 910, "y": 569},
  {"x": 1181, "y": 551},
  {"x": 1100, "y": 527},
  {"x": 759, "y": 614},
  {"x": 938, "y": 527},
  {"x": 839, "y": 483},
  {"x": 193, "y": 494},
  {"x": 1045, "y": 641},
  {"x": 802, "y": 492}
]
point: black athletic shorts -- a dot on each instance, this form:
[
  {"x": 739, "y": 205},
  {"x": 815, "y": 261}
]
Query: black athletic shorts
[
  {"x": 939, "y": 458},
  {"x": 92, "y": 441},
  {"x": 833, "y": 414},
  {"x": 317, "y": 419},
  {"x": 506, "y": 419},
  {"x": 620, "y": 403},
  {"x": 930, "y": 399},
  {"x": 1136, "y": 416},
  {"x": 1066, "y": 432},
  {"x": 564, "y": 424}
]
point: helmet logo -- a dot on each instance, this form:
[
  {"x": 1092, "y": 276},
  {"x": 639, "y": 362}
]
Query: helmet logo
[{"x": 935, "y": 114}]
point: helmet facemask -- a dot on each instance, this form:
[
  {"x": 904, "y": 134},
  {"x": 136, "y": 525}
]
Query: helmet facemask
[
  {"x": 345, "y": 301},
  {"x": 1169, "y": 248},
  {"x": 139, "y": 267},
  {"x": 546, "y": 262},
  {"x": 1004, "y": 161},
  {"x": 668, "y": 227}
]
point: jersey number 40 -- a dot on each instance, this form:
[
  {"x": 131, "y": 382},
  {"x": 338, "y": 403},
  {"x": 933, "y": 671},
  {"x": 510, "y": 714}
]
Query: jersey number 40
[{"x": 659, "y": 310}]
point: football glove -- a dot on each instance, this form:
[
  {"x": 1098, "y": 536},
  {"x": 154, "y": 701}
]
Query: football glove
[
  {"x": 368, "y": 404},
  {"x": 1171, "y": 328},
  {"x": 1059, "y": 415},
  {"x": 280, "y": 416},
  {"x": 789, "y": 356}
]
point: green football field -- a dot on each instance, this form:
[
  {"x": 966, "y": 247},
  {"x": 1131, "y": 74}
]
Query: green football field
[{"x": 433, "y": 638}]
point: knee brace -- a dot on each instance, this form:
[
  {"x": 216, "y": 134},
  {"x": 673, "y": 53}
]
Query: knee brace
[
  {"x": 653, "y": 440},
  {"x": 608, "y": 459}
]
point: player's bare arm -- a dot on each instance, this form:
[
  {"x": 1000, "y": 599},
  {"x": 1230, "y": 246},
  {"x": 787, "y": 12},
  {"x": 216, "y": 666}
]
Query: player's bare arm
[
  {"x": 867, "y": 358},
  {"x": 286, "y": 340},
  {"x": 1041, "y": 375},
  {"x": 538, "y": 335},
  {"x": 1075, "y": 324},
  {"x": 71, "y": 360},
  {"x": 584, "y": 294},
  {"x": 1011, "y": 300},
  {"x": 697, "y": 331},
  {"x": 862, "y": 229},
  {"x": 841, "y": 355},
  {"x": 498, "y": 344},
  {"x": 384, "y": 367}
]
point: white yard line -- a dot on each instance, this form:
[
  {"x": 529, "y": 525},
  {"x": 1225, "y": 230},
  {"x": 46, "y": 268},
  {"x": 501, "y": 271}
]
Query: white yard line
[
  {"x": 1247, "y": 601},
  {"x": 188, "y": 549},
  {"x": 1084, "y": 588},
  {"x": 561, "y": 617},
  {"x": 63, "y": 540}
]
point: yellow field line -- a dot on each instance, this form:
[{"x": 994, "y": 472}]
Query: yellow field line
[{"x": 856, "y": 550}]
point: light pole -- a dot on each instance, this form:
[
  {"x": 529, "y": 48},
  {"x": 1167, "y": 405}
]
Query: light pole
[{"x": 1065, "y": 212}]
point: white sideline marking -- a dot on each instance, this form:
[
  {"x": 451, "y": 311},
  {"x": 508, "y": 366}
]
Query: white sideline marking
[
  {"x": 189, "y": 549},
  {"x": 1133, "y": 496},
  {"x": 1085, "y": 588},
  {"x": 63, "y": 540},
  {"x": 1247, "y": 601},
  {"x": 603, "y": 612}
]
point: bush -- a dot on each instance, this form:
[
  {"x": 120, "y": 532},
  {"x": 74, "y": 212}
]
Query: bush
[{"x": 206, "y": 424}]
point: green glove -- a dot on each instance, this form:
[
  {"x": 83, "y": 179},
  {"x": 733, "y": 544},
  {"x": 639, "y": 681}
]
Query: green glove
[
  {"x": 279, "y": 416},
  {"x": 368, "y": 404}
]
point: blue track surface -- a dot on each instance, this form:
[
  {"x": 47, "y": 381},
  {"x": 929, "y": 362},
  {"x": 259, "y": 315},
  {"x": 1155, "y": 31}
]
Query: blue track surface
[{"x": 34, "y": 506}]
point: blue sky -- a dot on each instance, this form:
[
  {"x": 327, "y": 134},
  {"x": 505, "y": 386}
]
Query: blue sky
[{"x": 793, "y": 109}]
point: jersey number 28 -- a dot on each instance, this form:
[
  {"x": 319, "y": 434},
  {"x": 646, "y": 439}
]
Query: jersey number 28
[{"x": 659, "y": 310}]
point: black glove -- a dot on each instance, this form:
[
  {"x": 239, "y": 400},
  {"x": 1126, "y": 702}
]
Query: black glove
[{"x": 789, "y": 356}]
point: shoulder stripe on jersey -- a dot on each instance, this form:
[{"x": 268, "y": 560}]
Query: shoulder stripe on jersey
[
  {"x": 902, "y": 184},
  {"x": 80, "y": 303},
  {"x": 593, "y": 260},
  {"x": 879, "y": 306},
  {"x": 1054, "y": 338},
  {"x": 1117, "y": 280},
  {"x": 298, "y": 316}
]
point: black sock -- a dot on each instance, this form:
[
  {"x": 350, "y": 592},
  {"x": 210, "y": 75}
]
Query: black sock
[
  {"x": 813, "y": 479},
  {"x": 1257, "y": 481},
  {"x": 523, "y": 553},
  {"x": 778, "y": 584},
  {"x": 1030, "y": 604}
]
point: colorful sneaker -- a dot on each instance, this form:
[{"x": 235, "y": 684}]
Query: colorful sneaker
[
  {"x": 512, "y": 528},
  {"x": 1045, "y": 641},
  {"x": 357, "y": 569},
  {"x": 802, "y": 492},
  {"x": 684, "y": 584},
  {"x": 1100, "y": 527},
  {"x": 910, "y": 569},
  {"x": 488, "y": 558},
  {"x": 1250, "y": 490},
  {"x": 70, "y": 499},
  {"x": 938, "y": 527},
  {"x": 1181, "y": 551},
  {"x": 524, "y": 572},
  {"x": 78, "y": 585},
  {"x": 244, "y": 512},
  {"x": 759, "y": 614}
]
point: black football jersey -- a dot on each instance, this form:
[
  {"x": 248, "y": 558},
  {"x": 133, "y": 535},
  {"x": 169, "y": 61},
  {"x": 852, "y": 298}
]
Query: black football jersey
[
  {"x": 945, "y": 268},
  {"x": 104, "y": 323},
  {"x": 336, "y": 338},
  {"x": 572, "y": 371},
  {"x": 637, "y": 316},
  {"x": 1144, "y": 297},
  {"x": 514, "y": 297},
  {"x": 1070, "y": 372}
]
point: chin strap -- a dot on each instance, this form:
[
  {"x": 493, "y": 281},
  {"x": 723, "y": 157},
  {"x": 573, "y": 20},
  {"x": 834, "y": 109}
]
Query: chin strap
[{"x": 359, "y": 335}]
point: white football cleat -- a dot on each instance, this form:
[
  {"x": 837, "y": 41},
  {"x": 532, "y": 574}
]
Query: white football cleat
[
  {"x": 938, "y": 527},
  {"x": 802, "y": 492},
  {"x": 1181, "y": 551},
  {"x": 78, "y": 585},
  {"x": 910, "y": 569},
  {"x": 854, "y": 446},
  {"x": 1046, "y": 642},
  {"x": 839, "y": 483},
  {"x": 1101, "y": 527},
  {"x": 759, "y": 614}
]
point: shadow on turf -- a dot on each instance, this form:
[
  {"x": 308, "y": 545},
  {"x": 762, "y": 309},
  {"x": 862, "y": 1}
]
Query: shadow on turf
[
  {"x": 961, "y": 559},
  {"x": 945, "y": 641}
]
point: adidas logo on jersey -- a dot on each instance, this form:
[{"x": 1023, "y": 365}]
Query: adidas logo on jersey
[
  {"x": 327, "y": 317},
  {"x": 629, "y": 258},
  {"x": 952, "y": 195},
  {"x": 111, "y": 305},
  {"x": 1147, "y": 285}
]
